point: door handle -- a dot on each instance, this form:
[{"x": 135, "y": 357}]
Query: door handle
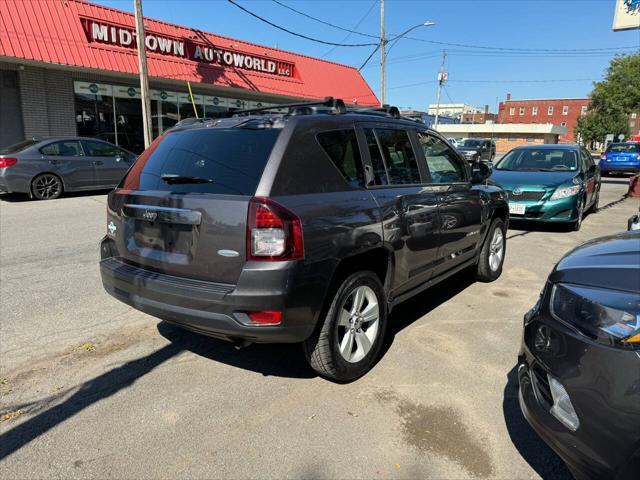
[
  {"x": 98, "y": 162},
  {"x": 53, "y": 162}
]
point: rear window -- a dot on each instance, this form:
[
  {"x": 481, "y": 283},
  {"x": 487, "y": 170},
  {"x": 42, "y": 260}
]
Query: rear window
[
  {"x": 623, "y": 148},
  {"x": 231, "y": 160},
  {"x": 17, "y": 147}
]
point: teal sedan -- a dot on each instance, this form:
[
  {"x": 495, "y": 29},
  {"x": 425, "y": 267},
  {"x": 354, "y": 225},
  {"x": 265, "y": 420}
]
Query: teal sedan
[{"x": 549, "y": 183}]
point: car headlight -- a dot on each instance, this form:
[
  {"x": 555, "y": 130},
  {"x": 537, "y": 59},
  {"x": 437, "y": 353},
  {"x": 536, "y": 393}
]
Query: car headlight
[
  {"x": 609, "y": 317},
  {"x": 565, "y": 192}
]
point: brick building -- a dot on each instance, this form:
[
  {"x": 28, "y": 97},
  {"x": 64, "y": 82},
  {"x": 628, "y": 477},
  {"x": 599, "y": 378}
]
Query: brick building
[
  {"x": 506, "y": 136},
  {"x": 483, "y": 117},
  {"x": 563, "y": 112}
]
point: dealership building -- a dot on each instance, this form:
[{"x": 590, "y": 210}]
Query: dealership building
[{"x": 69, "y": 67}]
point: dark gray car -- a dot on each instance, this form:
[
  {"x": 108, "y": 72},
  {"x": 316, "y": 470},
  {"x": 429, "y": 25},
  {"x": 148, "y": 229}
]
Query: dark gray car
[
  {"x": 301, "y": 227},
  {"x": 579, "y": 365},
  {"x": 46, "y": 168},
  {"x": 477, "y": 149}
]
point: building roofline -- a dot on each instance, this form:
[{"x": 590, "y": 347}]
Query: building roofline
[
  {"x": 544, "y": 99},
  {"x": 257, "y": 45},
  {"x": 502, "y": 128}
]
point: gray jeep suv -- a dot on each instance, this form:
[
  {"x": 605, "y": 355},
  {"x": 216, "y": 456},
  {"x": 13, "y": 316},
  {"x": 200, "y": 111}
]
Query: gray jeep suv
[{"x": 304, "y": 227}]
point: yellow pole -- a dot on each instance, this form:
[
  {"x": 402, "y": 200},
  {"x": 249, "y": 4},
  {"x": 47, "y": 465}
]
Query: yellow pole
[{"x": 195, "y": 110}]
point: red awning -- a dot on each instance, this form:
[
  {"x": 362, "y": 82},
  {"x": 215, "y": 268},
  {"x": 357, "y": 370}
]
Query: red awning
[{"x": 80, "y": 34}]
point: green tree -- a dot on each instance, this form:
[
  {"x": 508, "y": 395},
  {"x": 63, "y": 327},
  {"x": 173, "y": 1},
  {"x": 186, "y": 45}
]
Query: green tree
[
  {"x": 621, "y": 87},
  {"x": 612, "y": 99},
  {"x": 596, "y": 124}
]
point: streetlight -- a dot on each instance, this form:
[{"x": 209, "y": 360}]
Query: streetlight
[{"x": 383, "y": 48}]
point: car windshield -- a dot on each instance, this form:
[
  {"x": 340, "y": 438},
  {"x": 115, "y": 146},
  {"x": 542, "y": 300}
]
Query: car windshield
[
  {"x": 471, "y": 143},
  {"x": 624, "y": 148},
  {"x": 539, "y": 160},
  {"x": 17, "y": 147}
]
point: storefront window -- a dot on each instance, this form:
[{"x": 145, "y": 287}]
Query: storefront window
[
  {"x": 169, "y": 114},
  {"x": 114, "y": 112},
  {"x": 187, "y": 108},
  {"x": 94, "y": 116},
  {"x": 129, "y": 124}
]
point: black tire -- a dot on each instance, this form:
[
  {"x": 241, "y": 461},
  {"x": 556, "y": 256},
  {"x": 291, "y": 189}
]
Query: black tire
[
  {"x": 575, "y": 226},
  {"x": 487, "y": 271},
  {"x": 322, "y": 348},
  {"x": 46, "y": 186},
  {"x": 596, "y": 202}
]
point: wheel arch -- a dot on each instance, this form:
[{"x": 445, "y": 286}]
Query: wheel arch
[
  {"x": 47, "y": 172},
  {"x": 379, "y": 260}
]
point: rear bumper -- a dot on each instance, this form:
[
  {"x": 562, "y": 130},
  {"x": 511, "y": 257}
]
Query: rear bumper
[
  {"x": 210, "y": 308},
  {"x": 625, "y": 168}
]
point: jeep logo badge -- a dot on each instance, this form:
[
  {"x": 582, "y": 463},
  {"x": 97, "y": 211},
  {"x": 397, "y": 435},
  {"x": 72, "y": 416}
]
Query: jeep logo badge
[{"x": 149, "y": 215}]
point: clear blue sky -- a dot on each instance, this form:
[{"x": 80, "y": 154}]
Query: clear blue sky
[{"x": 477, "y": 77}]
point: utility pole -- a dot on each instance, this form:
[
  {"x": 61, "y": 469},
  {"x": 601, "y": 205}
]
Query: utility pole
[
  {"x": 441, "y": 78},
  {"x": 383, "y": 53},
  {"x": 144, "y": 77}
]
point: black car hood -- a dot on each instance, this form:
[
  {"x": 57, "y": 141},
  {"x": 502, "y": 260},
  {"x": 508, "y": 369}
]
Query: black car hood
[{"x": 611, "y": 262}]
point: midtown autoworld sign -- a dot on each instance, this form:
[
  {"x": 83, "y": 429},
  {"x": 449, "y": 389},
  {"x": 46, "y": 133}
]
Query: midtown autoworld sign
[{"x": 104, "y": 33}]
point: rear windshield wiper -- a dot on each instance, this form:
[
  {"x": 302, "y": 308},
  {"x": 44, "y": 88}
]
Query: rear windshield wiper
[{"x": 174, "y": 178}]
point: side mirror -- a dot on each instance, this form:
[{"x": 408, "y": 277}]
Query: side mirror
[
  {"x": 481, "y": 171},
  {"x": 119, "y": 158},
  {"x": 633, "y": 223}
]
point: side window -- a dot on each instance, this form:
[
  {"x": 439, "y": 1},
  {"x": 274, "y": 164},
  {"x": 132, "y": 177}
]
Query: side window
[
  {"x": 94, "y": 148},
  {"x": 70, "y": 148},
  {"x": 587, "y": 159},
  {"x": 444, "y": 164},
  {"x": 379, "y": 170},
  {"x": 342, "y": 148},
  {"x": 400, "y": 159}
]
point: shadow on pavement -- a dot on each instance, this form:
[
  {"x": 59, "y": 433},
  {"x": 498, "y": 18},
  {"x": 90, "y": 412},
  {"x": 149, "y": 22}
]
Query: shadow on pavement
[
  {"x": 530, "y": 446},
  {"x": 88, "y": 393},
  {"x": 277, "y": 359},
  {"x": 23, "y": 197},
  {"x": 415, "y": 308}
]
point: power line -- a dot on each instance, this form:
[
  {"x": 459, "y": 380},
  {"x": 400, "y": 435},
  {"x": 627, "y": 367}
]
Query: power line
[
  {"x": 351, "y": 31},
  {"x": 498, "y": 81},
  {"x": 481, "y": 47},
  {"x": 375, "y": 2},
  {"x": 317, "y": 40},
  {"x": 369, "y": 57},
  {"x": 540, "y": 50}
]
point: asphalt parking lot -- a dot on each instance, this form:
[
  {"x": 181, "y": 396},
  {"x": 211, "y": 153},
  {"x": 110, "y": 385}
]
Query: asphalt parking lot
[{"x": 91, "y": 388}]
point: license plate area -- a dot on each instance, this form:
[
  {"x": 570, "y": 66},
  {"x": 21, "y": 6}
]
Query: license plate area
[
  {"x": 516, "y": 209},
  {"x": 164, "y": 237}
]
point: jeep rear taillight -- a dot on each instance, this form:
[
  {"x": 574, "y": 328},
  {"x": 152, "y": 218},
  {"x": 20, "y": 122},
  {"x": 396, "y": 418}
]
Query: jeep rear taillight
[
  {"x": 7, "y": 162},
  {"x": 273, "y": 232}
]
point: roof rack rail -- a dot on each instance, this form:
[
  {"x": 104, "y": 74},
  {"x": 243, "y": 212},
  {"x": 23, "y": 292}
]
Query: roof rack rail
[
  {"x": 192, "y": 120},
  {"x": 385, "y": 109},
  {"x": 335, "y": 103}
]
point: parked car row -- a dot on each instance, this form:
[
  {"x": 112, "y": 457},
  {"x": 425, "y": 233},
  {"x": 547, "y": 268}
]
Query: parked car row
[{"x": 310, "y": 227}]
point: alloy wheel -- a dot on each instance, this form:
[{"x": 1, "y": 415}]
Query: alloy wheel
[
  {"x": 47, "y": 186},
  {"x": 358, "y": 324},
  {"x": 496, "y": 249}
]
